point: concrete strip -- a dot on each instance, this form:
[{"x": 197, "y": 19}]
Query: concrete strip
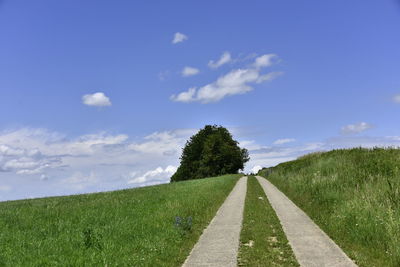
[
  {"x": 311, "y": 246},
  {"x": 219, "y": 243}
]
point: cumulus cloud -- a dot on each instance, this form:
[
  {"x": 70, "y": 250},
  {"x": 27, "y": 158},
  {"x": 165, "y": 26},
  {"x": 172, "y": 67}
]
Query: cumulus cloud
[
  {"x": 256, "y": 168},
  {"x": 104, "y": 161},
  {"x": 189, "y": 71},
  {"x": 98, "y": 99},
  {"x": 25, "y": 151},
  {"x": 225, "y": 58},
  {"x": 25, "y": 161},
  {"x": 179, "y": 37},
  {"x": 161, "y": 143},
  {"x": 235, "y": 82},
  {"x": 156, "y": 176},
  {"x": 284, "y": 141},
  {"x": 28, "y": 155},
  {"x": 356, "y": 128}
]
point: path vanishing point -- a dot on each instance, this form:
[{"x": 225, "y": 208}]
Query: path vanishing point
[{"x": 219, "y": 243}]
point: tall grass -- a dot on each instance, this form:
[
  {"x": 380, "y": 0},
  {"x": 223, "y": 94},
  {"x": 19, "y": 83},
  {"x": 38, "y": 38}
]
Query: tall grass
[
  {"x": 136, "y": 227},
  {"x": 353, "y": 194}
]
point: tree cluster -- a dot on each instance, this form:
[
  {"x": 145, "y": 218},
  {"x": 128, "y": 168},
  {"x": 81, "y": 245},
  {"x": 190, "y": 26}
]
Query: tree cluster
[{"x": 210, "y": 152}]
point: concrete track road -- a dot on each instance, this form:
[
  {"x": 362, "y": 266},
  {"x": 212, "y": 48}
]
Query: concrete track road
[
  {"x": 311, "y": 246},
  {"x": 219, "y": 243}
]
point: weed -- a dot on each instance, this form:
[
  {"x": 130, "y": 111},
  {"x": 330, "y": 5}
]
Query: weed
[
  {"x": 184, "y": 225},
  {"x": 91, "y": 239}
]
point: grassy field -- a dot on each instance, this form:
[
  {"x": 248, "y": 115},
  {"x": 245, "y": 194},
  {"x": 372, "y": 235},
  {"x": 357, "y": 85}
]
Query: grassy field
[
  {"x": 262, "y": 240},
  {"x": 353, "y": 195},
  {"x": 136, "y": 227}
]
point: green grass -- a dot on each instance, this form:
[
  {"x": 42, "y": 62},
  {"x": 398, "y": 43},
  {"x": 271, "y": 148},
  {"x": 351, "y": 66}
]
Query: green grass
[
  {"x": 353, "y": 195},
  {"x": 262, "y": 240},
  {"x": 134, "y": 227}
]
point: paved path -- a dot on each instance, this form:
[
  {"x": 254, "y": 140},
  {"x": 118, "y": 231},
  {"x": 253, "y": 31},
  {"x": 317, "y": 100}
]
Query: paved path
[
  {"x": 219, "y": 243},
  {"x": 311, "y": 246}
]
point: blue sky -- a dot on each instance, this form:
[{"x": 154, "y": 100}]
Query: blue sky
[{"x": 286, "y": 77}]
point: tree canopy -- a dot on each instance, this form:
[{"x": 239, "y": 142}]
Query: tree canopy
[{"x": 210, "y": 152}]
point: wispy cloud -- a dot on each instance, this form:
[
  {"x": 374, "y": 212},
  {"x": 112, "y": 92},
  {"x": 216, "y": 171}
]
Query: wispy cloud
[
  {"x": 356, "y": 128},
  {"x": 189, "y": 71},
  {"x": 284, "y": 141},
  {"x": 267, "y": 156},
  {"x": 235, "y": 82},
  {"x": 179, "y": 37},
  {"x": 163, "y": 75},
  {"x": 396, "y": 98},
  {"x": 5, "y": 188},
  {"x": 265, "y": 60},
  {"x": 225, "y": 58},
  {"x": 98, "y": 99}
]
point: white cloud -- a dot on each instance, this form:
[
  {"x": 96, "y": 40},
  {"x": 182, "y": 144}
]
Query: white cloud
[
  {"x": 396, "y": 98},
  {"x": 188, "y": 96},
  {"x": 98, "y": 99},
  {"x": 225, "y": 58},
  {"x": 87, "y": 163},
  {"x": 284, "y": 141},
  {"x": 24, "y": 160},
  {"x": 256, "y": 168},
  {"x": 104, "y": 161},
  {"x": 179, "y": 37},
  {"x": 265, "y": 60},
  {"x": 356, "y": 128},
  {"x": 37, "y": 152},
  {"x": 233, "y": 83},
  {"x": 248, "y": 144},
  {"x": 156, "y": 176},
  {"x": 189, "y": 71}
]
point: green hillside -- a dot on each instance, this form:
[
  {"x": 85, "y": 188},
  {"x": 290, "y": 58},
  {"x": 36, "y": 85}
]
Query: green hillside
[
  {"x": 136, "y": 227},
  {"x": 353, "y": 195}
]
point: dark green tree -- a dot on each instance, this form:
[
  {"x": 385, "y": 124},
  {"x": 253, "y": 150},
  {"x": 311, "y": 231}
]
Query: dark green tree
[{"x": 210, "y": 152}]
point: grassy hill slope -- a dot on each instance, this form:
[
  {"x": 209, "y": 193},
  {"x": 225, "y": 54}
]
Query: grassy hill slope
[
  {"x": 353, "y": 195},
  {"x": 135, "y": 227}
]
